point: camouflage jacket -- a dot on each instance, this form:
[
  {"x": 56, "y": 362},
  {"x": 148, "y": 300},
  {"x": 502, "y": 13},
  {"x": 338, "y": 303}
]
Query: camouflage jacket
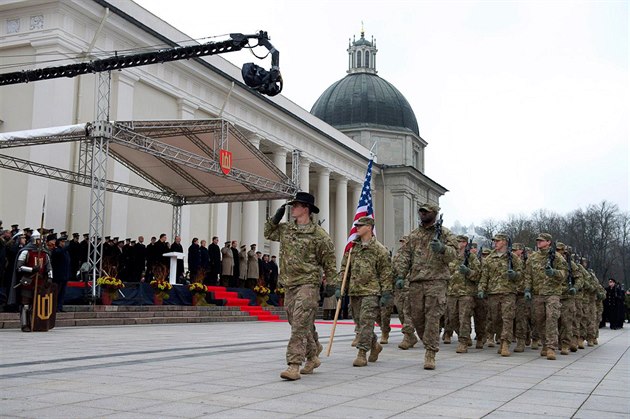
[
  {"x": 370, "y": 270},
  {"x": 578, "y": 280},
  {"x": 537, "y": 281},
  {"x": 461, "y": 285},
  {"x": 494, "y": 277},
  {"x": 419, "y": 262},
  {"x": 588, "y": 287},
  {"x": 304, "y": 252}
]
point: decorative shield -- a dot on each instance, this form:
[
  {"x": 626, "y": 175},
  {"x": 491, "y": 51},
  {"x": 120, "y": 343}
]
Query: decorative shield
[
  {"x": 45, "y": 308},
  {"x": 225, "y": 161}
]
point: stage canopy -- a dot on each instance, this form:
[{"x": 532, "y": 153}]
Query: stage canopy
[{"x": 179, "y": 158}]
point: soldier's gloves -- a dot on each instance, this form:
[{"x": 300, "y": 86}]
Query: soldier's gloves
[
  {"x": 386, "y": 299},
  {"x": 511, "y": 273},
  {"x": 400, "y": 283},
  {"x": 329, "y": 291},
  {"x": 338, "y": 293},
  {"x": 528, "y": 295},
  {"x": 437, "y": 246},
  {"x": 464, "y": 270},
  {"x": 36, "y": 268},
  {"x": 549, "y": 271},
  {"x": 481, "y": 295},
  {"x": 572, "y": 291},
  {"x": 277, "y": 217}
]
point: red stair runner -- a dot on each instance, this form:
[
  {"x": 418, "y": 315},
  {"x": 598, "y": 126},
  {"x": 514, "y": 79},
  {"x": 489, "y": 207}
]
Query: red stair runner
[{"x": 232, "y": 300}]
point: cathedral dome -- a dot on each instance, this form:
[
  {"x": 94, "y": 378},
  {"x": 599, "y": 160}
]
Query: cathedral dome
[{"x": 363, "y": 99}]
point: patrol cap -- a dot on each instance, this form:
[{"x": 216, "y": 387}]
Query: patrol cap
[
  {"x": 544, "y": 236},
  {"x": 462, "y": 238},
  {"x": 364, "y": 221},
  {"x": 518, "y": 246},
  {"x": 474, "y": 245},
  {"x": 485, "y": 251},
  {"x": 560, "y": 246},
  {"x": 500, "y": 236},
  {"x": 429, "y": 207},
  {"x": 403, "y": 239}
]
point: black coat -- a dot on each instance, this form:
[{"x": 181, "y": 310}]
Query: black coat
[
  {"x": 60, "y": 261},
  {"x": 194, "y": 257},
  {"x": 215, "y": 259},
  {"x": 236, "y": 271}
]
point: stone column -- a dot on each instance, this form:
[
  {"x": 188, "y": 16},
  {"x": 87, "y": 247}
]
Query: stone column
[
  {"x": 250, "y": 214},
  {"x": 322, "y": 200},
  {"x": 305, "y": 165},
  {"x": 279, "y": 158},
  {"x": 341, "y": 218}
]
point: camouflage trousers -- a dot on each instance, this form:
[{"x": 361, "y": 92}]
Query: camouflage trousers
[
  {"x": 404, "y": 312},
  {"x": 585, "y": 318},
  {"x": 577, "y": 319},
  {"x": 546, "y": 311},
  {"x": 480, "y": 317},
  {"x": 459, "y": 312},
  {"x": 427, "y": 301},
  {"x": 599, "y": 310},
  {"x": 385, "y": 317},
  {"x": 301, "y": 304},
  {"x": 502, "y": 308},
  {"x": 523, "y": 319},
  {"x": 567, "y": 314},
  {"x": 365, "y": 310},
  {"x": 592, "y": 322}
]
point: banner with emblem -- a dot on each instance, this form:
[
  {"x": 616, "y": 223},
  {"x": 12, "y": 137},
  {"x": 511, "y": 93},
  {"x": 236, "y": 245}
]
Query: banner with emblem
[
  {"x": 45, "y": 308},
  {"x": 225, "y": 161}
]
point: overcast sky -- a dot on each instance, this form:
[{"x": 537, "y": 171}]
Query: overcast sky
[{"x": 524, "y": 104}]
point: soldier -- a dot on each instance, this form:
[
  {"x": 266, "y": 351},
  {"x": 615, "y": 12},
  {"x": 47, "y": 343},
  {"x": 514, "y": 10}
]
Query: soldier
[
  {"x": 598, "y": 309},
  {"x": 32, "y": 267},
  {"x": 370, "y": 285},
  {"x": 480, "y": 307},
  {"x": 400, "y": 301},
  {"x": 424, "y": 260},
  {"x": 545, "y": 278},
  {"x": 523, "y": 315},
  {"x": 499, "y": 276},
  {"x": 462, "y": 287},
  {"x": 567, "y": 301},
  {"x": 305, "y": 249}
]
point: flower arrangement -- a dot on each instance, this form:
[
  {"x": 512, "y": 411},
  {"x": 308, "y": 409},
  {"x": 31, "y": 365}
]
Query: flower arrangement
[
  {"x": 261, "y": 290},
  {"x": 280, "y": 291},
  {"x": 161, "y": 287},
  {"x": 110, "y": 283},
  {"x": 197, "y": 288}
]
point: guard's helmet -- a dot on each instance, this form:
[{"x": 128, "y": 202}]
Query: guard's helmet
[{"x": 35, "y": 236}]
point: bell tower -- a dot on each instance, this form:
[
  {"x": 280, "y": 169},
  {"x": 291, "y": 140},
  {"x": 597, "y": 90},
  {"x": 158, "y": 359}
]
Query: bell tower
[{"x": 362, "y": 55}]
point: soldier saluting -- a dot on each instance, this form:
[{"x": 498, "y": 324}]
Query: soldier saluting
[{"x": 305, "y": 250}]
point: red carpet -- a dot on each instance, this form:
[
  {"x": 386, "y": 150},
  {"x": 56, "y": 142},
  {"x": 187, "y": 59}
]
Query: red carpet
[{"x": 231, "y": 300}]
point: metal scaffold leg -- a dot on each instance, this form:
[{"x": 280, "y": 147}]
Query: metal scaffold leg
[{"x": 177, "y": 220}]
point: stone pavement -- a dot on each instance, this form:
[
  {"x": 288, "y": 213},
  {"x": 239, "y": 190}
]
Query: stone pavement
[{"x": 231, "y": 370}]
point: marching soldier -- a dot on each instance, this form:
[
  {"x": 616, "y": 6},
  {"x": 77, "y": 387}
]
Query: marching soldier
[
  {"x": 400, "y": 301},
  {"x": 523, "y": 317},
  {"x": 567, "y": 303},
  {"x": 370, "y": 285}
]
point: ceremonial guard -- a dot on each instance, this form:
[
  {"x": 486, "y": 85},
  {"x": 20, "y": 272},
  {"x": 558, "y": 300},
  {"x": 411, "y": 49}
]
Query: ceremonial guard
[
  {"x": 424, "y": 260},
  {"x": 32, "y": 270},
  {"x": 370, "y": 285},
  {"x": 305, "y": 250}
]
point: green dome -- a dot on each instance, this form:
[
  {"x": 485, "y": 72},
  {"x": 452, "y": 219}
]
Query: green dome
[{"x": 364, "y": 99}]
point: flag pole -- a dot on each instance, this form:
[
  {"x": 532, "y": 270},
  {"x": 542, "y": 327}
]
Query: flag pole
[{"x": 343, "y": 290}]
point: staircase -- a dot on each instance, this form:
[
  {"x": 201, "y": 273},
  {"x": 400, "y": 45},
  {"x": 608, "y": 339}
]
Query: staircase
[{"x": 232, "y": 300}]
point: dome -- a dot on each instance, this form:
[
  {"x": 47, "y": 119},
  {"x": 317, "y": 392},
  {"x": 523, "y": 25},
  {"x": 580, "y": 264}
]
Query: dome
[{"x": 365, "y": 99}]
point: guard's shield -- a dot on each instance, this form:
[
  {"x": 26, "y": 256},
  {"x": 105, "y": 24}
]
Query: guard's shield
[
  {"x": 45, "y": 308},
  {"x": 225, "y": 161}
]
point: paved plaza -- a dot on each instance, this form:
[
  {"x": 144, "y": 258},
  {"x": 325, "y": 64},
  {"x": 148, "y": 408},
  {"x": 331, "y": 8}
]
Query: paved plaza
[{"x": 231, "y": 370}]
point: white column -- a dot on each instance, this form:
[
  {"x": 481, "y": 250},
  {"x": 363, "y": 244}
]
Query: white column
[
  {"x": 323, "y": 197},
  {"x": 250, "y": 214},
  {"x": 280, "y": 160},
  {"x": 220, "y": 222},
  {"x": 341, "y": 217},
  {"x": 356, "y": 195},
  {"x": 305, "y": 165}
]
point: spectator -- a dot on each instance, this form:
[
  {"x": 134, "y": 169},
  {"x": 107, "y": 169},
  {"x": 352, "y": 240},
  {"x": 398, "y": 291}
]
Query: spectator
[
  {"x": 194, "y": 259},
  {"x": 215, "y": 261},
  {"x": 177, "y": 247},
  {"x": 204, "y": 261},
  {"x": 61, "y": 265}
]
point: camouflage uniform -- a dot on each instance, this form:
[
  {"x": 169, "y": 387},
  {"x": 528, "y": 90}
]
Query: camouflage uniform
[
  {"x": 304, "y": 251},
  {"x": 586, "y": 312},
  {"x": 501, "y": 292},
  {"x": 523, "y": 316},
  {"x": 400, "y": 301},
  {"x": 370, "y": 275},
  {"x": 546, "y": 291},
  {"x": 460, "y": 298},
  {"x": 427, "y": 274},
  {"x": 598, "y": 308},
  {"x": 568, "y": 307}
]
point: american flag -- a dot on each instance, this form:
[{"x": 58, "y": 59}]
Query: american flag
[{"x": 365, "y": 208}]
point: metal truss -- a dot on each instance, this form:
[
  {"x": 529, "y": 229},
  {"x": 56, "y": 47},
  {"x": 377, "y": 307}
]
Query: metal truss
[
  {"x": 176, "y": 226},
  {"x": 75, "y": 135},
  {"x": 238, "y": 197},
  {"x": 295, "y": 167}
]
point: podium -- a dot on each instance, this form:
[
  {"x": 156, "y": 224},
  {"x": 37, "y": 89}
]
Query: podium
[{"x": 173, "y": 256}]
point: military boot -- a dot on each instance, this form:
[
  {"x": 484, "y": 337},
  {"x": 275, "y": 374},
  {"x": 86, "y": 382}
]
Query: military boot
[
  {"x": 376, "y": 349},
  {"x": 385, "y": 338},
  {"x": 479, "y": 344},
  {"x": 408, "y": 342},
  {"x": 535, "y": 344},
  {"x": 591, "y": 342},
  {"x": 505, "y": 348},
  {"x": 429, "y": 360},
  {"x": 360, "y": 360},
  {"x": 543, "y": 351},
  {"x": 447, "y": 339},
  {"x": 355, "y": 341},
  {"x": 292, "y": 373},
  {"x": 310, "y": 365},
  {"x": 564, "y": 349},
  {"x": 580, "y": 343},
  {"x": 320, "y": 348},
  {"x": 573, "y": 347},
  {"x": 551, "y": 354},
  {"x": 490, "y": 342},
  {"x": 462, "y": 348},
  {"x": 595, "y": 342},
  {"x": 520, "y": 345}
]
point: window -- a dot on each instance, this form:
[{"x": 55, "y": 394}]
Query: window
[
  {"x": 415, "y": 159},
  {"x": 358, "y": 59},
  {"x": 367, "y": 59}
]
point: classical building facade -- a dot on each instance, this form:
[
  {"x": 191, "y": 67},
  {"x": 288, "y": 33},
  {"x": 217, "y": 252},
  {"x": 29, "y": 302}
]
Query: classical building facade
[{"x": 36, "y": 33}]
